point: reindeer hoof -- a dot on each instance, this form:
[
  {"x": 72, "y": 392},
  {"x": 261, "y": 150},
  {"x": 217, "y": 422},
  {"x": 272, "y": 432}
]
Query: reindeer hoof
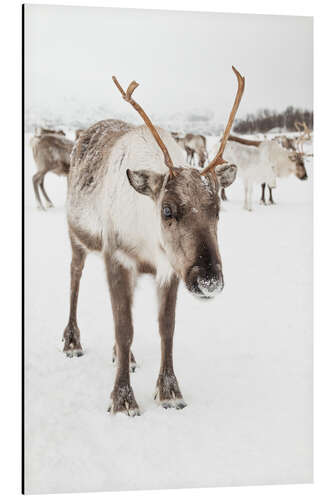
[
  {"x": 178, "y": 404},
  {"x": 130, "y": 412},
  {"x": 49, "y": 205},
  {"x": 71, "y": 337},
  {"x": 123, "y": 401},
  {"x": 72, "y": 353},
  {"x": 168, "y": 394},
  {"x": 133, "y": 367},
  {"x": 262, "y": 202}
]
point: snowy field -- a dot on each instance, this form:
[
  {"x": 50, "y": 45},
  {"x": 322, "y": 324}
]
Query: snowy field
[{"x": 243, "y": 360}]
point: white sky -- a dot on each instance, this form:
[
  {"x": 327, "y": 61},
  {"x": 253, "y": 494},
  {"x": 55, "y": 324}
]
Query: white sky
[{"x": 182, "y": 60}]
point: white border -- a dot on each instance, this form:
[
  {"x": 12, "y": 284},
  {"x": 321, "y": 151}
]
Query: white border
[{"x": 10, "y": 193}]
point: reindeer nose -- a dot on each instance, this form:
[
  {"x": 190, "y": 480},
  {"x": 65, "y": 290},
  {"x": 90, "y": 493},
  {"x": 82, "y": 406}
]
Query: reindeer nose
[
  {"x": 210, "y": 287},
  {"x": 205, "y": 282}
]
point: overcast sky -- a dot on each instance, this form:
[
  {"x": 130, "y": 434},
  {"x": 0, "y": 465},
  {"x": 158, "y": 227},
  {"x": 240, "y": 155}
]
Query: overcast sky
[{"x": 182, "y": 60}]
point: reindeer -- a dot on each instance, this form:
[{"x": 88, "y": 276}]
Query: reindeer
[
  {"x": 78, "y": 132},
  {"x": 51, "y": 152},
  {"x": 193, "y": 144},
  {"x": 131, "y": 198},
  {"x": 283, "y": 168},
  {"x": 261, "y": 162}
]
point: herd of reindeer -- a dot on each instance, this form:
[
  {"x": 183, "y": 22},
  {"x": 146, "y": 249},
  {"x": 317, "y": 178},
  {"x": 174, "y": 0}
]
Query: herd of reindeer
[
  {"x": 132, "y": 197},
  {"x": 258, "y": 162}
]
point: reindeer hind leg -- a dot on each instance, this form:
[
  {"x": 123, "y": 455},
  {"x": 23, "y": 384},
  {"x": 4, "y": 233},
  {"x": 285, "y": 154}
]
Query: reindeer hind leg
[
  {"x": 49, "y": 203},
  {"x": 271, "y": 201},
  {"x": 36, "y": 178},
  {"x": 263, "y": 199}
]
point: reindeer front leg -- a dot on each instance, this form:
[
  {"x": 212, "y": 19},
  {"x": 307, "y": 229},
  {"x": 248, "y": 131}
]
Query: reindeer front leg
[
  {"x": 167, "y": 390},
  {"x": 271, "y": 201},
  {"x": 263, "y": 198},
  {"x": 71, "y": 337},
  {"x": 121, "y": 284}
]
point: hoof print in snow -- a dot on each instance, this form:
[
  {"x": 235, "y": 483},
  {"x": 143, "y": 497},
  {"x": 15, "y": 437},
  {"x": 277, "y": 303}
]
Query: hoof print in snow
[{"x": 123, "y": 401}]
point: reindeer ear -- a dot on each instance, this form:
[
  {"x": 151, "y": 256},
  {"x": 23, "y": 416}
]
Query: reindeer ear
[
  {"x": 145, "y": 182},
  {"x": 226, "y": 174}
]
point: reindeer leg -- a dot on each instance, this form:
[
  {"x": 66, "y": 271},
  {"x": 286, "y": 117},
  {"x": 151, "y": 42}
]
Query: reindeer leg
[
  {"x": 263, "y": 199},
  {"x": 249, "y": 202},
  {"x": 121, "y": 284},
  {"x": 192, "y": 158},
  {"x": 246, "y": 192},
  {"x": 271, "y": 201},
  {"x": 36, "y": 182},
  {"x": 223, "y": 195},
  {"x": 71, "y": 335},
  {"x": 133, "y": 363},
  {"x": 49, "y": 203},
  {"x": 167, "y": 390}
]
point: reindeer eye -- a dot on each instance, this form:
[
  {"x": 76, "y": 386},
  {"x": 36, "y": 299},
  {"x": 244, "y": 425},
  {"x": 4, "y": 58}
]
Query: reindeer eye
[{"x": 167, "y": 212}]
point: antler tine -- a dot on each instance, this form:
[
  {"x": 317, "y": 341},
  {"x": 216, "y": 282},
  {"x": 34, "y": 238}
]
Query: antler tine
[
  {"x": 218, "y": 160},
  {"x": 127, "y": 96}
]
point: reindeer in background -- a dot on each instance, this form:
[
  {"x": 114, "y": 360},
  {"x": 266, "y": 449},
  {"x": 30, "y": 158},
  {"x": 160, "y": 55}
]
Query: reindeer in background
[
  {"x": 51, "y": 152},
  {"x": 131, "y": 198},
  {"x": 261, "y": 162},
  {"x": 193, "y": 144}
]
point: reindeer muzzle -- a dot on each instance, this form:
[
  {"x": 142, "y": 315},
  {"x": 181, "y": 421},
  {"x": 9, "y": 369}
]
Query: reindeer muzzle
[{"x": 205, "y": 283}]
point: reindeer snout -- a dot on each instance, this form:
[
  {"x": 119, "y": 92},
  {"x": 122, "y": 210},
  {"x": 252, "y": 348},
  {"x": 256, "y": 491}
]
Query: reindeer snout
[{"x": 205, "y": 283}]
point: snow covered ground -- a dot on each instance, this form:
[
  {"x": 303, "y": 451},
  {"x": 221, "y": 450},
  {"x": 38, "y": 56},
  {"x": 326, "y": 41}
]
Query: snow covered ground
[{"x": 243, "y": 360}]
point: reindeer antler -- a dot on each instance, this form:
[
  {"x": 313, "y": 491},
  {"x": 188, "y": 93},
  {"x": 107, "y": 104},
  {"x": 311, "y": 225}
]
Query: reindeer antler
[
  {"x": 128, "y": 97},
  {"x": 297, "y": 126},
  {"x": 218, "y": 160},
  {"x": 307, "y": 131}
]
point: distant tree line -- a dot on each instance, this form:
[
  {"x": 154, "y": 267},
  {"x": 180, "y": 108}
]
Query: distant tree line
[{"x": 264, "y": 120}]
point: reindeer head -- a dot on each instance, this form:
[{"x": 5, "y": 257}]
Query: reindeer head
[
  {"x": 187, "y": 204},
  {"x": 299, "y": 168},
  {"x": 188, "y": 207}
]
